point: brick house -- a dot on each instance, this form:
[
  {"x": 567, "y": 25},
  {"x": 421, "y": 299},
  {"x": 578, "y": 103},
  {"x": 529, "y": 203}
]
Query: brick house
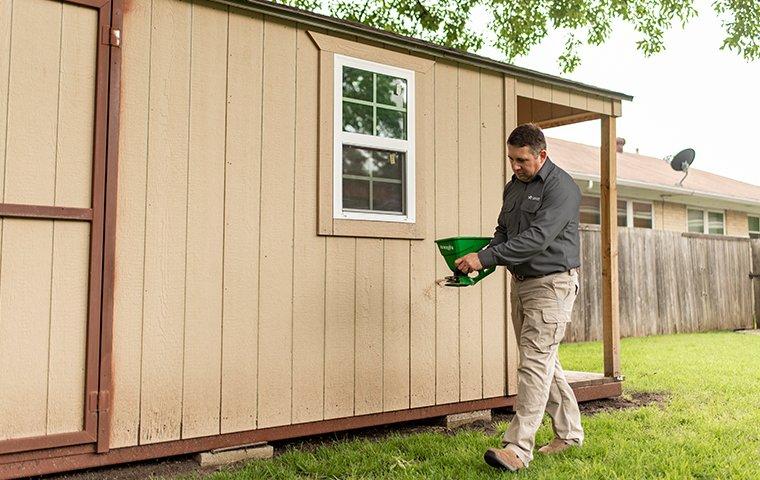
[{"x": 649, "y": 195}]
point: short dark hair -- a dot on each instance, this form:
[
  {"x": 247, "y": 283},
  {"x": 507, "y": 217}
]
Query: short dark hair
[{"x": 528, "y": 135}]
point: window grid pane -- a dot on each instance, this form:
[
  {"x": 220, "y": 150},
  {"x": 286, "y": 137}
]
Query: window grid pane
[
  {"x": 715, "y": 223},
  {"x": 622, "y": 213},
  {"x": 642, "y": 215},
  {"x": 589, "y": 211},
  {"x": 696, "y": 221}
]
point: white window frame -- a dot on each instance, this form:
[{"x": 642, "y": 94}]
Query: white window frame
[
  {"x": 705, "y": 225},
  {"x": 628, "y": 210},
  {"x": 341, "y": 138},
  {"x": 750, "y": 232}
]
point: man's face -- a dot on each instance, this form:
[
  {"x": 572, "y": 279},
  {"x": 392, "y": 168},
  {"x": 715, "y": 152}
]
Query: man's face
[{"x": 524, "y": 163}]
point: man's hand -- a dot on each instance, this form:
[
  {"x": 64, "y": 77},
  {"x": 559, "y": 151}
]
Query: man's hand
[{"x": 469, "y": 263}]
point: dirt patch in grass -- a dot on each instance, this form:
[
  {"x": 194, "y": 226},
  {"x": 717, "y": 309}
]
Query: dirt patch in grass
[
  {"x": 624, "y": 402},
  {"x": 186, "y": 465}
]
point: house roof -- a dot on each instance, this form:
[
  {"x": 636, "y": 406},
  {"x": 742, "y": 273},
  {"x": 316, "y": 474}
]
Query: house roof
[
  {"x": 582, "y": 162},
  {"x": 415, "y": 45}
]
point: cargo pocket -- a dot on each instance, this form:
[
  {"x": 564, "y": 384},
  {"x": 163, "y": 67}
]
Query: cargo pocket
[{"x": 556, "y": 323}]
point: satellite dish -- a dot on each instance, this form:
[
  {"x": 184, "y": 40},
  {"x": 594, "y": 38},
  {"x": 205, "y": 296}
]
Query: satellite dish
[{"x": 681, "y": 161}]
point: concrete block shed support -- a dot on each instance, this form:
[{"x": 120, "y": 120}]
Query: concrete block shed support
[
  {"x": 225, "y": 456},
  {"x": 458, "y": 419}
]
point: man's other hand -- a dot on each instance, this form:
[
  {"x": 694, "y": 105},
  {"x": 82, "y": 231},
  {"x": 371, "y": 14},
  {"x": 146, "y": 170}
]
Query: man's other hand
[{"x": 469, "y": 263}]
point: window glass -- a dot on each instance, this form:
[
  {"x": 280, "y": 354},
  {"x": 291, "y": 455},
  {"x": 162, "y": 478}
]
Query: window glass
[
  {"x": 373, "y": 179},
  {"x": 391, "y": 91},
  {"x": 374, "y": 104},
  {"x": 622, "y": 213},
  {"x": 357, "y": 84},
  {"x": 390, "y": 123},
  {"x": 715, "y": 223},
  {"x": 754, "y": 227},
  {"x": 642, "y": 215},
  {"x": 590, "y": 210},
  {"x": 696, "y": 221},
  {"x": 357, "y": 118}
]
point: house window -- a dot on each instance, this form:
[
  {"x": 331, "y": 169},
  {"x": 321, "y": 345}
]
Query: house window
[
  {"x": 590, "y": 213},
  {"x": 641, "y": 215},
  {"x": 630, "y": 213},
  {"x": 622, "y": 213},
  {"x": 374, "y": 141},
  {"x": 705, "y": 221},
  {"x": 754, "y": 227}
]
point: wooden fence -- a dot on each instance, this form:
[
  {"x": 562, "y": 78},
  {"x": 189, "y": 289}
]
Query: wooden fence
[
  {"x": 670, "y": 282},
  {"x": 755, "y": 245}
]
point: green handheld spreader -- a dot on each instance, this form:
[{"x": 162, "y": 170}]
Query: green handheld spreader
[{"x": 456, "y": 247}]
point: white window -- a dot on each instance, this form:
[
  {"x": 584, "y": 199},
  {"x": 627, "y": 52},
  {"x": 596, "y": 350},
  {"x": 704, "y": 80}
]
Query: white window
[
  {"x": 754, "y": 226},
  {"x": 706, "y": 221},
  {"x": 630, "y": 213},
  {"x": 374, "y": 141}
]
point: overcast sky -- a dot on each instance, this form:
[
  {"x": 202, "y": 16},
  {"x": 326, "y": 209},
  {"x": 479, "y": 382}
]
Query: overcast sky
[{"x": 691, "y": 95}]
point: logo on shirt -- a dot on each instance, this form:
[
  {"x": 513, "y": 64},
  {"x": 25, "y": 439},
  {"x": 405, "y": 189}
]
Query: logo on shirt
[{"x": 531, "y": 197}]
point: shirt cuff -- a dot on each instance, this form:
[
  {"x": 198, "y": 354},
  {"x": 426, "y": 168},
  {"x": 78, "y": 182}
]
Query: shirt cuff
[{"x": 487, "y": 258}]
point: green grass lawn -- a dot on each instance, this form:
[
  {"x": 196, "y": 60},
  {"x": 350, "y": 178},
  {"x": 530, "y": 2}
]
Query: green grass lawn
[{"x": 709, "y": 428}]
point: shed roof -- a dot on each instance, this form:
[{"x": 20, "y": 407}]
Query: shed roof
[
  {"x": 415, "y": 45},
  {"x": 648, "y": 172}
]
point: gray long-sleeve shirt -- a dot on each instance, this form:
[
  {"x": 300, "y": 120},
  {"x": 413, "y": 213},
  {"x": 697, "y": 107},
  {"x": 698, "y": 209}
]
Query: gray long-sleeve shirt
[{"x": 537, "y": 231}]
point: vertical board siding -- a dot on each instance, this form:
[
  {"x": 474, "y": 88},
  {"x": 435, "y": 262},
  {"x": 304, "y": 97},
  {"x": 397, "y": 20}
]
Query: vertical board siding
[
  {"x": 31, "y": 152},
  {"x": 446, "y": 225},
  {"x": 205, "y": 223},
  {"x": 492, "y": 160},
  {"x": 510, "y": 123},
  {"x": 339, "y": 327},
  {"x": 6, "y": 27},
  {"x": 276, "y": 233},
  {"x": 166, "y": 223},
  {"x": 309, "y": 267},
  {"x": 71, "y": 242},
  {"x": 669, "y": 283},
  {"x": 130, "y": 226},
  {"x": 76, "y": 112},
  {"x": 395, "y": 323},
  {"x": 422, "y": 259},
  {"x": 26, "y": 264},
  {"x": 68, "y": 326},
  {"x": 241, "y": 225},
  {"x": 469, "y": 209},
  {"x": 369, "y": 343}
]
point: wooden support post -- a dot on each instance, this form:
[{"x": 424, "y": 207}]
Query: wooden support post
[{"x": 610, "y": 299}]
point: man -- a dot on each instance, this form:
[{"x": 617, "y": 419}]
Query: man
[{"x": 537, "y": 240}]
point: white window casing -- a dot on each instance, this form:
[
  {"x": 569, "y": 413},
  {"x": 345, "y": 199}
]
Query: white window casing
[{"x": 342, "y": 138}]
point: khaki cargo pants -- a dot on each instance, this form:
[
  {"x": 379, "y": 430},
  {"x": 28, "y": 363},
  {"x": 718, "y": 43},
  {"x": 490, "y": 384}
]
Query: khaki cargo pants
[{"x": 541, "y": 309}]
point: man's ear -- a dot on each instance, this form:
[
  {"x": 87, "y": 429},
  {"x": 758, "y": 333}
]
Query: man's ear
[{"x": 542, "y": 155}]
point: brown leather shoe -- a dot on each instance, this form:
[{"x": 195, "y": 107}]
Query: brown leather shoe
[
  {"x": 557, "y": 445},
  {"x": 503, "y": 458}
]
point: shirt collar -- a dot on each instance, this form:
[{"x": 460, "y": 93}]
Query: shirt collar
[{"x": 543, "y": 172}]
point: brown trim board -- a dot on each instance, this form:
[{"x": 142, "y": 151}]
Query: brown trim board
[
  {"x": 109, "y": 238},
  {"x": 25, "y": 464},
  {"x": 45, "y": 212}
]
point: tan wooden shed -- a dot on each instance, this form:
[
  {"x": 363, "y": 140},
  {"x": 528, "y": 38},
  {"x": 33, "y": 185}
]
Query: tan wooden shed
[{"x": 184, "y": 262}]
